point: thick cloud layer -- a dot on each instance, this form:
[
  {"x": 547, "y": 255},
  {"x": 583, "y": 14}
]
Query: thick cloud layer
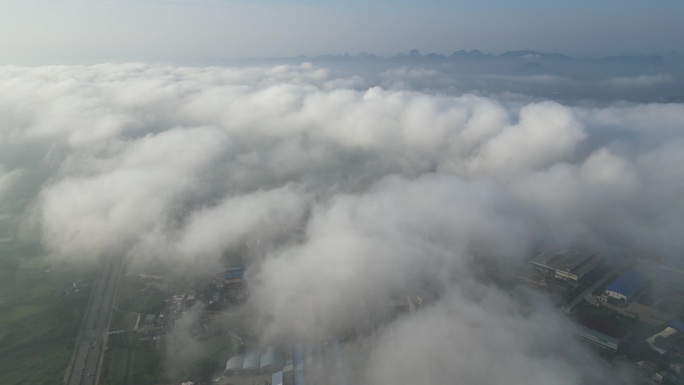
[{"x": 346, "y": 196}]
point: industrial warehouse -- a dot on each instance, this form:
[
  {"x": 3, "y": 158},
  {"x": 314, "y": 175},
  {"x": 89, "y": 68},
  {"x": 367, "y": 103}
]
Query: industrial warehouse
[
  {"x": 567, "y": 265},
  {"x": 208, "y": 312},
  {"x": 624, "y": 287},
  {"x": 316, "y": 362}
]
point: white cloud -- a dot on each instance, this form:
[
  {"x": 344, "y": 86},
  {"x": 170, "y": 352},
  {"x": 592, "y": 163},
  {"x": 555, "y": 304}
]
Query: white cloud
[
  {"x": 389, "y": 189},
  {"x": 546, "y": 133}
]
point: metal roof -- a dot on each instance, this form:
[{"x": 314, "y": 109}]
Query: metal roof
[
  {"x": 596, "y": 337},
  {"x": 572, "y": 261},
  {"x": 234, "y": 273},
  {"x": 627, "y": 284},
  {"x": 298, "y": 364},
  {"x": 235, "y": 362},
  {"x": 277, "y": 378},
  {"x": 271, "y": 357},
  {"x": 297, "y": 356},
  {"x": 251, "y": 360}
]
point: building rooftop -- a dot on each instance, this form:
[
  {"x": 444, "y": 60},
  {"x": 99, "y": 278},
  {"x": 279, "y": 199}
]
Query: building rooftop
[
  {"x": 277, "y": 378},
  {"x": 572, "y": 261},
  {"x": 596, "y": 336},
  {"x": 271, "y": 357},
  {"x": 234, "y": 273},
  {"x": 627, "y": 284},
  {"x": 288, "y": 366},
  {"x": 678, "y": 325},
  {"x": 251, "y": 360},
  {"x": 298, "y": 364},
  {"x": 235, "y": 362}
]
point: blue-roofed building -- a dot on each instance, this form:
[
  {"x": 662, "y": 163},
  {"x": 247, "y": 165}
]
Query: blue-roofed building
[
  {"x": 233, "y": 274},
  {"x": 272, "y": 359},
  {"x": 677, "y": 325},
  {"x": 625, "y": 285},
  {"x": 277, "y": 378}
]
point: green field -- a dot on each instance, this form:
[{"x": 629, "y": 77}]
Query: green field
[
  {"x": 149, "y": 304},
  {"x": 123, "y": 320},
  {"x": 39, "y": 317},
  {"x": 128, "y": 363}
]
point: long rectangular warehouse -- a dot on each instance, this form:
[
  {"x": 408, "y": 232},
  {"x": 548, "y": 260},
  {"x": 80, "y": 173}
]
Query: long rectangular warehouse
[{"x": 566, "y": 265}]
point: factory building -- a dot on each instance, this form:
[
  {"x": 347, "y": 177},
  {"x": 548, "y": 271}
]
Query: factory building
[
  {"x": 271, "y": 360},
  {"x": 597, "y": 338},
  {"x": 234, "y": 364},
  {"x": 566, "y": 265},
  {"x": 251, "y": 361},
  {"x": 298, "y": 364},
  {"x": 277, "y": 378},
  {"x": 600, "y": 332},
  {"x": 625, "y": 286},
  {"x": 233, "y": 275}
]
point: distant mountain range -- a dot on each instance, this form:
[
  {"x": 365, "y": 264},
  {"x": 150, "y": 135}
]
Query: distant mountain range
[
  {"x": 547, "y": 75},
  {"x": 512, "y": 63}
]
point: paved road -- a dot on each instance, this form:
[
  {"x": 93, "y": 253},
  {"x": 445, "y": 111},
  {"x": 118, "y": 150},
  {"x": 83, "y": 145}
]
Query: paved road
[{"x": 90, "y": 343}]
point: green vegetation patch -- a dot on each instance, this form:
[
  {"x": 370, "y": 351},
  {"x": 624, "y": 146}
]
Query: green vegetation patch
[
  {"x": 42, "y": 366},
  {"x": 38, "y": 320},
  {"x": 123, "y": 320},
  {"x": 604, "y": 314},
  {"x": 151, "y": 304},
  {"x": 42, "y": 289},
  {"x": 126, "y": 362},
  {"x": 36, "y": 345},
  {"x": 17, "y": 312}
]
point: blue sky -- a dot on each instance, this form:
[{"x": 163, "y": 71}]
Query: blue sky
[{"x": 72, "y": 31}]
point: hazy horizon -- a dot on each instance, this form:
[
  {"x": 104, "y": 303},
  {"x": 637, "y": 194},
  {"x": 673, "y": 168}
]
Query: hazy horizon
[{"x": 82, "y": 31}]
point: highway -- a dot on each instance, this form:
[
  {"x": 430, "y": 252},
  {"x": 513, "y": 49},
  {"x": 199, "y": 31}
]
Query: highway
[{"x": 90, "y": 344}]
